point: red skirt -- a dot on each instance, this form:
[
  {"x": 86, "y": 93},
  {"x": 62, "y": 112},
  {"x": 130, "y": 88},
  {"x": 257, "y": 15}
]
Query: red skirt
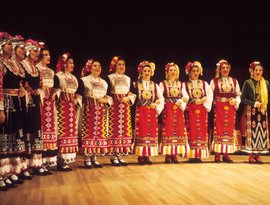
[
  {"x": 174, "y": 134},
  {"x": 146, "y": 140},
  {"x": 94, "y": 128},
  {"x": 197, "y": 127},
  {"x": 120, "y": 129}
]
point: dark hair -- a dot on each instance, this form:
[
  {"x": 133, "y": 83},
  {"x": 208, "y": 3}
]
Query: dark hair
[{"x": 45, "y": 48}]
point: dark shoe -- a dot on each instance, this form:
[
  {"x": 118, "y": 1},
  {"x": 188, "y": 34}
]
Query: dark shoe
[
  {"x": 122, "y": 162},
  {"x": 88, "y": 164},
  {"x": 251, "y": 159},
  {"x": 96, "y": 164},
  {"x": 147, "y": 160},
  {"x": 63, "y": 168},
  {"x": 18, "y": 181},
  {"x": 47, "y": 171},
  {"x": 39, "y": 172},
  {"x": 217, "y": 158},
  {"x": 227, "y": 159},
  {"x": 258, "y": 159},
  {"x": 141, "y": 160},
  {"x": 26, "y": 175},
  {"x": 174, "y": 159},
  {"x": 167, "y": 159},
  {"x": 9, "y": 184},
  {"x": 115, "y": 162}
]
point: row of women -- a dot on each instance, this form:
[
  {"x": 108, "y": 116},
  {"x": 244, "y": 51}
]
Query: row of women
[{"x": 39, "y": 112}]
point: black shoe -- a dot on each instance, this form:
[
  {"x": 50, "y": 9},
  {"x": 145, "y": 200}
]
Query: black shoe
[
  {"x": 147, "y": 160},
  {"x": 18, "y": 181},
  {"x": 39, "y": 172},
  {"x": 88, "y": 165},
  {"x": 141, "y": 160},
  {"x": 96, "y": 164},
  {"x": 47, "y": 171},
  {"x": 227, "y": 159},
  {"x": 63, "y": 168},
  {"x": 25, "y": 175},
  {"x": 115, "y": 162},
  {"x": 122, "y": 162},
  {"x": 10, "y": 185}
]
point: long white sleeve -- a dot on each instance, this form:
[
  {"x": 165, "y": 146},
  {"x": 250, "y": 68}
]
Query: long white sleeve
[{"x": 209, "y": 97}]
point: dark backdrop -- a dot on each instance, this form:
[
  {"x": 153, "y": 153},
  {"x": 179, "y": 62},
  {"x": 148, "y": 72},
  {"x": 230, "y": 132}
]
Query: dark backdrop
[{"x": 165, "y": 31}]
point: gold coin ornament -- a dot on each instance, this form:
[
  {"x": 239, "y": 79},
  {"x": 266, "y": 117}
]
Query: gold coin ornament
[
  {"x": 226, "y": 87},
  {"x": 174, "y": 92},
  {"x": 197, "y": 93},
  {"x": 147, "y": 94}
]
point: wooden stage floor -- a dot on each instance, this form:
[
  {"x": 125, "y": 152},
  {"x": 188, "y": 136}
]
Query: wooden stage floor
[{"x": 184, "y": 183}]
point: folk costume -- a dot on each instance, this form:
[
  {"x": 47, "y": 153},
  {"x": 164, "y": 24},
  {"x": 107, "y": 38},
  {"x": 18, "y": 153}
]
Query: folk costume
[
  {"x": 255, "y": 96},
  {"x": 119, "y": 121},
  {"x": 199, "y": 104},
  {"x": 32, "y": 113},
  {"x": 12, "y": 143},
  {"x": 48, "y": 110},
  {"x": 174, "y": 134},
  {"x": 67, "y": 85},
  {"x": 226, "y": 102},
  {"x": 95, "y": 115},
  {"x": 149, "y": 104}
]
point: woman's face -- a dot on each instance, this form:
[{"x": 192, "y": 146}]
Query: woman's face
[
  {"x": 120, "y": 67},
  {"x": 69, "y": 66},
  {"x": 172, "y": 73},
  {"x": 258, "y": 72},
  {"x": 225, "y": 70},
  {"x": 194, "y": 73},
  {"x": 46, "y": 58},
  {"x": 20, "y": 52},
  {"x": 96, "y": 69},
  {"x": 7, "y": 48},
  {"x": 33, "y": 55},
  {"x": 146, "y": 73}
]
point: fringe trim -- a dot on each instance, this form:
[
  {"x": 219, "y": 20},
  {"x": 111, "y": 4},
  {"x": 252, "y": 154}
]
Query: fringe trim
[
  {"x": 146, "y": 150},
  {"x": 199, "y": 153},
  {"x": 175, "y": 149},
  {"x": 222, "y": 148}
]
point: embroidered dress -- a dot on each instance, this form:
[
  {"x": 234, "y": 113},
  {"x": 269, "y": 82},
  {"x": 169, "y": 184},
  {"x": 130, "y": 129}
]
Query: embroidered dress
[
  {"x": 254, "y": 121},
  {"x": 174, "y": 134},
  {"x": 146, "y": 122},
  {"x": 224, "y": 89},
  {"x": 197, "y": 117},
  {"x": 48, "y": 114},
  {"x": 95, "y": 116},
  {"x": 32, "y": 114},
  {"x": 12, "y": 143},
  {"x": 119, "y": 123},
  {"x": 67, "y": 117}
]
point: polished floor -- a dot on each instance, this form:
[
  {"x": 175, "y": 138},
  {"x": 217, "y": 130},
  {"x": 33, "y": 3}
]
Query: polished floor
[{"x": 184, "y": 183}]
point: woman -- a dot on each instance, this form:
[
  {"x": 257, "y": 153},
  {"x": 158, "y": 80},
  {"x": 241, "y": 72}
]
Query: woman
[
  {"x": 12, "y": 145},
  {"x": 32, "y": 114},
  {"x": 255, "y": 118},
  {"x": 68, "y": 99},
  {"x": 48, "y": 122},
  {"x": 150, "y": 103},
  {"x": 95, "y": 108},
  {"x": 120, "y": 129},
  {"x": 226, "y": 101},
  {"x": 174, "y": 134},
  {"x": 199, "y": 104}
]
